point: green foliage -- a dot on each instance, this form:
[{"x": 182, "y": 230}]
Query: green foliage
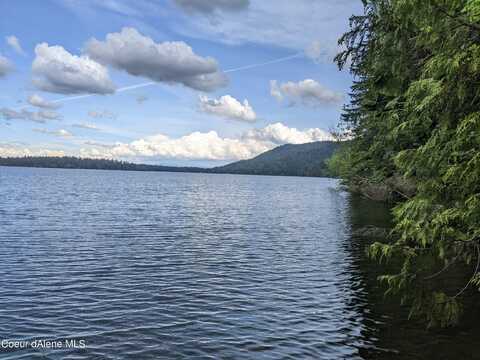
[
  {"x": 291, "y": 160},
  {"x": 415, "y": 113},
  {"x": 338, "y": 164}
]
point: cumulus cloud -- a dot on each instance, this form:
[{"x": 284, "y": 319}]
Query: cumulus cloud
[
  {"x": 56, "y": 70},
  {"x": 293, "y": 24},
  {"x": 5, "y": 66},
  {"x": 308, "y": 92},
  {"x": 209, "y": 145},
  {"x": 58, "y": 133},
  {"x": 102, "y": 114},
  {"x": 210, "y": 6},
  {"x": 278, "y": 133},
  {"x": 227, "y": 107},
  {"x": 197, "y": 145},
  {"x": 169, "y": 62},
  {"x": 35, "y": 116},
  {"x": 38, "y": 101},
  {"x": 14, "y": 44},
  {"x": 12, "y": 150}
]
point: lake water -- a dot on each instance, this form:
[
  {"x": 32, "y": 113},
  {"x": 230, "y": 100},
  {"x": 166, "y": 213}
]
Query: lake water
[{"x": 144, "y": 265}]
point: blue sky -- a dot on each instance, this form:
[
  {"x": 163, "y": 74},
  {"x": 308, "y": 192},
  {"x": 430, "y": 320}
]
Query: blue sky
[{"x": 65, "y": 64}]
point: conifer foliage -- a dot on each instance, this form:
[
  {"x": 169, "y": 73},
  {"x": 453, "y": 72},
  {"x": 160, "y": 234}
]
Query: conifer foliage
[{"x": 415, "y": 114}]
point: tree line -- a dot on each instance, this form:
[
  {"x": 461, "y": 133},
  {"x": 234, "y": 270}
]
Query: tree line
[{"x": 71, "y": 162}]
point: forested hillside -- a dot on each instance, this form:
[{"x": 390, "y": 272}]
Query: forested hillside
[
  {"x": 293, "y": 160},
  {"x": 415, "y": 120}
]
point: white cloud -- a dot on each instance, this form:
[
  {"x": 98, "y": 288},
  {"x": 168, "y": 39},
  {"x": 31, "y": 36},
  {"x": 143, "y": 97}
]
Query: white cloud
[
  {"x": 169, "y": 62},
  {"x": 56, "y": 70},
  {"x": 275, "y": 90},
  {"x": 278, "y": 133},
  {"x": 286, "y": 23},
  {"x": 5, "y": 66},
  {"x": 14, "y": 44},
  {"x": 8, "y": 150},
  {"x": 86, "y": 126},
  {"x": 197, "y": 145},
  {"x": 58, "y": 133},
  {"x": 35, "y": 116},
  {"x": 210, "y": 6},
  {"x": 228, "y": 107},
  {"x": 307, "y": 91},
  {"x": 208, "y": 146},
  {"x": 38, "y": 101}
]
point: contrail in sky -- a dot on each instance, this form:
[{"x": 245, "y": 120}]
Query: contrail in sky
[
  {"x": 122, "y": 89},
  {"x": 150, "y": 83},
  {"x": 265, "y": 63}
]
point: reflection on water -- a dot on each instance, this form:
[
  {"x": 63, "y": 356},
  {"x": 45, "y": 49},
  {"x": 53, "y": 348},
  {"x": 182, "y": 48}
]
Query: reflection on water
[
  {"x": 386, "y": 326},
  {"x": 163, "y": 265}
]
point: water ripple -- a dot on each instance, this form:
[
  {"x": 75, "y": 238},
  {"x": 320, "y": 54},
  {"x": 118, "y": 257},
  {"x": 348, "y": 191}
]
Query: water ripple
[{"x": 159, "y": 265}]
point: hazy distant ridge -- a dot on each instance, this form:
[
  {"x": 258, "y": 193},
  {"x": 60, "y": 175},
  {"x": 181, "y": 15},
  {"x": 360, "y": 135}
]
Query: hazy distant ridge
[{"x": 292, "y": 160}]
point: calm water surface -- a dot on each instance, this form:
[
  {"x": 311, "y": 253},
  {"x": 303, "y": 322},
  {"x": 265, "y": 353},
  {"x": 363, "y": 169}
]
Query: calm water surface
[{"x": 165, "y": 265}]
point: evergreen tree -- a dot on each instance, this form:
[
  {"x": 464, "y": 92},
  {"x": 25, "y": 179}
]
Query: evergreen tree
[{"x": 415, "y": 115}]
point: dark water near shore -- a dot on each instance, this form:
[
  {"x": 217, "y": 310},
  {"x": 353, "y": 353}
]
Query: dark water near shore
[{"x": 166, "y": 265}]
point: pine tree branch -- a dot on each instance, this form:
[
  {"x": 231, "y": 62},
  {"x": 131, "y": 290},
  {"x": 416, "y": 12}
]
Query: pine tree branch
[{"x": 456, "y": 18}]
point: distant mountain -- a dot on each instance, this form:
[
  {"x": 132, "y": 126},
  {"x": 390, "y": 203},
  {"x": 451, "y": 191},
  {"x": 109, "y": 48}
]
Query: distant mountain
[
  {"x": 293, "y": 160},
  {"x": 289, "y": 160}
]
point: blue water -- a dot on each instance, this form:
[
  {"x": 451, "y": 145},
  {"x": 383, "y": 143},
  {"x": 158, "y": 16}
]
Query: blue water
[{"x": 149, "y": 265}]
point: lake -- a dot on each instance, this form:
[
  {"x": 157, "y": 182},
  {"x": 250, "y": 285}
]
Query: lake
[{"x": 151, "y": 265}]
